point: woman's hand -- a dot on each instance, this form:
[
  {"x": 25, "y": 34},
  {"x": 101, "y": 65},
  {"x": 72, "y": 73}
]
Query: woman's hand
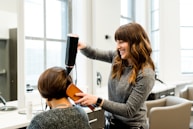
[
  {"x": 86, "y": 99},
  {"x": 81, "y": 45}
]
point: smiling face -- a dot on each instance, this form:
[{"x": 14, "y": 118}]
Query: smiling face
[
  {"x": 133, "y": 47},
  {"x": 123, "y": 48}
]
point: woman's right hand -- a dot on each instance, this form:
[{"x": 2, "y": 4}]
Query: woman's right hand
[{"x": 81, "y": 45}]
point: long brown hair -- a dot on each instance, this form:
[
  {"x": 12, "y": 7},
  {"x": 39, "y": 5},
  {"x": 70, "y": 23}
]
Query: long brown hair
[
  {"x": 140, "y": 50},
  {"x": 53, "y": 83}
]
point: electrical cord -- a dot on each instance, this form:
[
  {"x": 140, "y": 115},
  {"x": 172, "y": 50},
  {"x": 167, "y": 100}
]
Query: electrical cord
[{"x": 76, "y": 74}]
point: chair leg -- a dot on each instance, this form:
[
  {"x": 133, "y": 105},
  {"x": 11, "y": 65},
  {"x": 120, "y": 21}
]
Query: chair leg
[{"x": 191, "y": 122}]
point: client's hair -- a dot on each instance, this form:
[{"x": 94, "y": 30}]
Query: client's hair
[{"x": 53, "y": 83}]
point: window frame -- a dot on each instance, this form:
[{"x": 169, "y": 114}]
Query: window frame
[
  {"x": 131, "y": 10},
  {"x": 186, "y": 67},
  {"x": 66, "y": 25},
  {"x": 153, "y": 30}
]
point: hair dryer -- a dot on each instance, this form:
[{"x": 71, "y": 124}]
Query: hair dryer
[{"x": 71, "y": 51}]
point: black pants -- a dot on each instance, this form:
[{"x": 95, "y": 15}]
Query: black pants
[{"x": 112, "y": 124}]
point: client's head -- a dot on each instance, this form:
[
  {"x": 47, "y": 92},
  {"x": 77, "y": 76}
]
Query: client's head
[{"x": 53, "y": 82}]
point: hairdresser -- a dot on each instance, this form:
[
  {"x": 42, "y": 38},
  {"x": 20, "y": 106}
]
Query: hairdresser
[{"x": 131, "y": 78}]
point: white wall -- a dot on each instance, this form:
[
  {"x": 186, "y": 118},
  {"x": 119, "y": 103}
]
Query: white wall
[
  {"x": 20, "y": 60},
  {"x": 169, "y": 40},
  {"x": 82, "y": 25},
  {"x": 8, "y": 16},
  {"x": 8, "y": 5},
  {"x": 92, "y": 21},
  {"x": 106, "y": 19}
]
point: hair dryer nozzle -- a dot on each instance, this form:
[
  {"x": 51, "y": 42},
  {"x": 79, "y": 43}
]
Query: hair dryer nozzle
[{"x": 68, "y": 69}]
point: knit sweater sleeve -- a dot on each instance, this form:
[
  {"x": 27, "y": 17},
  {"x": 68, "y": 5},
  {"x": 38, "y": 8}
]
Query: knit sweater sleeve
[
  {"x": 102, "y": 55},
  {"x": 136, "y": 97}
]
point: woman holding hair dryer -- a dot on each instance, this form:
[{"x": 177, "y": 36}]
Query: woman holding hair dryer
[{"x": 131, "y": 78}]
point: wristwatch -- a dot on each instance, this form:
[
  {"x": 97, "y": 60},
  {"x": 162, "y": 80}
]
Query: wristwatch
[{"x": 99, "y": 101}]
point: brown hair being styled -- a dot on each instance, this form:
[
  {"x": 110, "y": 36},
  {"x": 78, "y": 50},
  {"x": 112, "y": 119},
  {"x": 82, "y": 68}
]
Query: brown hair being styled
[
  {"x": 140, "y": 50},
  {"x": 53, "y": 83}
]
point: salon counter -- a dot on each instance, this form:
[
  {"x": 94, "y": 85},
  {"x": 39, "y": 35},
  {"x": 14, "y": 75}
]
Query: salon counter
[
  {"x": 15, "y": 120},
  {"x": 162, "y": 90},
  {"x": 12, "y": 119}
]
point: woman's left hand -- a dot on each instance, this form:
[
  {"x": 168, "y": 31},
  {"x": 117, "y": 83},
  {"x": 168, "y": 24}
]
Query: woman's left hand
[{"x": 86, "y": 99}]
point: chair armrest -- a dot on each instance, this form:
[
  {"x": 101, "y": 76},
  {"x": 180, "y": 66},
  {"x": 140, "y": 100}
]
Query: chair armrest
[
  {"x": 154, "y": 103},
  {"x": 183, "y": 93}
]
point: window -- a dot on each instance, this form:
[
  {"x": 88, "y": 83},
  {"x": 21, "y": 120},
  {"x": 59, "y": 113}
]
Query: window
[
  {"x": 127, "y": 11},
  {"x": 155, "y": 32},
  {"x": 186, "y": 31},
  {"x": 46, "y": 28}
]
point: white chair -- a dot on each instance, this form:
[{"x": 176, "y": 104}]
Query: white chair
[
  {"x": 187, "y": 93},
  {"x": 171, "y": 112}
]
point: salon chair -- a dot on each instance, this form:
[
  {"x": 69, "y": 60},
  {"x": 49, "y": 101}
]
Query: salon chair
[{"x": 171, "y": 112}]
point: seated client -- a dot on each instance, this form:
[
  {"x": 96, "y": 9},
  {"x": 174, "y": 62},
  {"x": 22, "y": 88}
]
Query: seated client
[{"x": 52, "y": 86}]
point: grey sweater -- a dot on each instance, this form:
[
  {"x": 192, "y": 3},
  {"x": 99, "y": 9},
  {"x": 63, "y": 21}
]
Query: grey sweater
[
  {"x": 61, "y": 118},
  {"x": 126, "y": 102}
]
